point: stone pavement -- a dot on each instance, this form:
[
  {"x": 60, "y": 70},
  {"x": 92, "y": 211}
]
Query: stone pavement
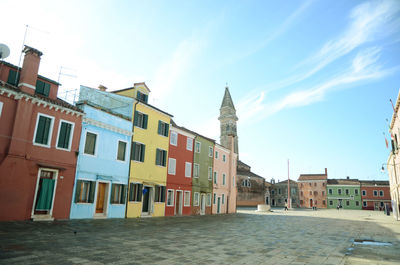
[{"x": 278, "y": 237}]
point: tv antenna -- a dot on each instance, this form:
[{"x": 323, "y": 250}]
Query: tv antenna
[{"x": 4, "y": 51}]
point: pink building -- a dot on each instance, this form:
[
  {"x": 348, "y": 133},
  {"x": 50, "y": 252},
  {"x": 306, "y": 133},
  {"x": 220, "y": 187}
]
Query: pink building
[{"x": 224, "y": 186}]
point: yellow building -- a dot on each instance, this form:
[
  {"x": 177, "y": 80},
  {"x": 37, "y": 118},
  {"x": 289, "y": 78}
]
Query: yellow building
[{"x": 149, "y": 155}]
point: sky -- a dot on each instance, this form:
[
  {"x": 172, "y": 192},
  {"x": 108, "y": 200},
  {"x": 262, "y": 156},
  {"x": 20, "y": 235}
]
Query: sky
[{"x": 311, "y": 80}]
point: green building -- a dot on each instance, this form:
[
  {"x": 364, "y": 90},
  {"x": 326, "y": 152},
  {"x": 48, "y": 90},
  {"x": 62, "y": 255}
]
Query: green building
[
  {"x": 202, "y": 185},
  {"x": 344, "y": 192}
]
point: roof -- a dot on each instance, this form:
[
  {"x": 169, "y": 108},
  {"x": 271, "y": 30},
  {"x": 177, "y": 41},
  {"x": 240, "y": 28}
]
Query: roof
[
  {"x": 227, "y": 100},
  {"x": 374, "y": 182},
  {"x": 57, "y": 101},
  {"x": 109, "y": 111},
  {"x": 343, "y": 182},
  {"x": 190, "y": 131},
  {"x": 241, "y": 163},
  {"x": 247, "y": 173},
  {"x": 312, "y": 177},
  {"x": 39, "y": 76},
  {"x": 285, "y": 181}
]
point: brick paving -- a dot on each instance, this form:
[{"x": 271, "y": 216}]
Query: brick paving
[{"x": 294, "y": 237}]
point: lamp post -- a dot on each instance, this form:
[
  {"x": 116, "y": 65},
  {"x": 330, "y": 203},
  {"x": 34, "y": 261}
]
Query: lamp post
[
  {"x": 396, "y": 195},
  {"x": 288, "y": 186}
]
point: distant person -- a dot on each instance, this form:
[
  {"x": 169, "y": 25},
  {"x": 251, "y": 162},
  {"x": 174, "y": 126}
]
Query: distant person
[
  {"x": 286, "y": 208},
  {"x": 338, "y": 207}
]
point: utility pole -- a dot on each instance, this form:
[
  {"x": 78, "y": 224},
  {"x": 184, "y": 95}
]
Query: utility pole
[{"x": 288, "y": 184}]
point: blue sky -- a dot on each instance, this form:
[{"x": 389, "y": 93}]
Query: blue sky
[{"x": 311, "y": 80}]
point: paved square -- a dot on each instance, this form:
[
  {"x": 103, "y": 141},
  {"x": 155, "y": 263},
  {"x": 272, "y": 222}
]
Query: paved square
[{"x": 294, "y": 237}]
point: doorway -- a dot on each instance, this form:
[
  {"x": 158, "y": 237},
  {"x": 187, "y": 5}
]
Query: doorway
[
  {"x": 178, "y": 202},
  {"x": 219, "y": 205},
  {"x": 45, "y": 192},
  {"x": 273, "y": 202},
  {"x": 311, "y": 203},
  {"x": 147, "y": 191},
  {"x": 101, "y": 198},
  {"x": 203, "y": 204}
]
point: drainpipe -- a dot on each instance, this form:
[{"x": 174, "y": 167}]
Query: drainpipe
[{"x": 129, "y": 173}]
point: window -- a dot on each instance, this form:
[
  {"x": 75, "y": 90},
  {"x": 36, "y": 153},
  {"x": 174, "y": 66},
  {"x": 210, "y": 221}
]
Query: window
[
  {"x": 315, "y": 193},
  {"x": 375, "y": 193},
  {"x": 188, "y": 169},
  {"x": 209, "y": 173},
  {"x": 315, "y": 184},
  {"x": 118, "y": 194},
  {"x": 272, "y": 192},
  {"x": 223, "y": 179},
  {"x": 339, "y": 191},
  {"x": 142, "y": 97},
  {"x": 135, "y": 192},
  {"x": 186, "y": 200},
  {"x": 310, "y": 192},
  {"x": 330, "y": 191},
  {"x": 330, "y": 202},
  {"x": 189, "y": 144},
  {"x": 174, "y": 138},
  {"x": 44, "y": 128},
  {"x": 364, "y": 193},
  {"x": 210, "y": 151},
  {"x": 279, "y": 200},
  {"x": 121, "y": 151},
  {"x": 65, "y": 135},
  {"x": 381, "y": 193},
  {"x": 323, "y": 202},
  {"x": 347, "y": 191},
  {"x": 90, "y": 143},
  {"x": 356, "y": 191},
  {"x": 216, "y": 154},
  {"x": 12, "y": 77},
  {"x": 215, "y": 198},
  {"x": 301, "y": 193},
  {"x": 197, "y": 147},
  {"x": 246, "y": 183},
  {"x": 196, "y": 199},
  {"x": 382, "y": 204},
  {"x": 357, "y": 203},
  {"x": 215, "y": 177},
  {"x": 159, "y": 193},
  {"x": 171, "y": 166},
  {"x": 364, "y": 204},
  {"x": 196, "y": 170},
  {"x": 163, "y": 128},
  {"x": 84, "y": 192},
  {"x": 140, "y": 120},
  {"x": 208, "y": 199},
  {"x": 279, "y": 191},
  {"x": 223, "y": 198},
  {"x": 170, "y": 198},
  {"x": 323, "y": 193},
  {"x": 224, "y": 158},
  {"x": 293, "y": 200},
  {"x": 323, "y": 184},
  {"x": 347, "y": 203},
  {"x": 138, "y": 152},
  {"x": 161, "y": 157},
  {"x": 42, "y": 88}
]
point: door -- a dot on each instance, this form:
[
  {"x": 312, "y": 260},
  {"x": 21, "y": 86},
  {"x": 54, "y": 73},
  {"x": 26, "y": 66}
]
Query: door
[
  {"x": 45, "y": 192},
  {"x": 273, "y": 202},
  {"x": 146, "y": 198},
  {"x": 376, "y": 206},
  {"x": 178, "y": 203},
  {"x": 311, "y": 203},
  {"x": 203, "y": 204},
  {"x": 219, "y": 205},
  {"x": 101, "y": 194}
]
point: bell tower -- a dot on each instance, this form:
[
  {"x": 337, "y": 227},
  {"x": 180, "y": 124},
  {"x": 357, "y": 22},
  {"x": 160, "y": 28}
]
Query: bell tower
[{"x": 228, "y": 119}]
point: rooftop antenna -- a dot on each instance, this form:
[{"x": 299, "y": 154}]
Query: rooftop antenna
[{"x": 20, "y": 56}]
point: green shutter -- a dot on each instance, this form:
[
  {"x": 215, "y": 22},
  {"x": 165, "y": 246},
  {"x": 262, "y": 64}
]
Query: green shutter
[
  {"x": 130, "y": 192},
  {"x": 142, "y": 152},
  {"x": 46, "y": 195},
  {"x": 140, "y": 192},
  {"x": 123, "y": 194},
  {"x": 46, "y": 130},
  {"x": 40, "y": 130},
  {"x": 78, "y": 190},
  {"x": 113, "y": 186},
  {"x": 46, "y": 89},
  {"x": 166, "y": 129},
  {"x": 157, "y": 194},
  {"x": 12, "y": 77},
  {"x": 159, "y": 128},
  {"x": 133, "y": 150},
  {"x": 162, "y": 193},
  {"x": 92, "y": 189},
  {"x": 158, "y": 158},
  {"x": 164, "y": 157},
  {"x": 146, "y": 98},
  {"x": 135, "y": 118},
  {"x": 61, "y": 137},
  {"x": 145, "y": 119}
]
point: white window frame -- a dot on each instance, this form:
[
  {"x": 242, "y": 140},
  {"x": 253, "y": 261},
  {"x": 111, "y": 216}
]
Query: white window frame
[
  {"x": 171, "y": 170},
  {"x": 70, "y": 136},
  {"x": 210, "y": 173},
  {"x": 189, "y": 144},
  {"x": 95, "y": 147},
  {"x": 195, "y": 149},
  {"x": 210, "y": 151},
  {"x": 194, "y": 199},
  {"x": 188, "y": 164},
  {"x": 209, "y": 199},
  {"x": 50, "y": 131},
  {"x": 126, "y": 149},
  {"x": 194, "y": 170},
  {"x": 172, "y": 198},
  {"x": 223, "y": 179},
  {"x": 1, "y": 108},
  {"x": 171, "y": 137},
  {"x": 186, "y": 194}
]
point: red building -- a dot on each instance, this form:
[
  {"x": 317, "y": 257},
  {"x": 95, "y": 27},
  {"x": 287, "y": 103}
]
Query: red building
[
  {"x": 375, "y": 194},
  {"x": 312, "y": 189},
  {"x": 180, "y": 168},
  {"x": 39, "y": 140}
]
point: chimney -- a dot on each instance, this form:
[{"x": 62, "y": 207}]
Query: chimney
[
  {"x": 30, "y": 69},
  {"x": 102, "y": 88},
  {"x": 326, "y": 172}
]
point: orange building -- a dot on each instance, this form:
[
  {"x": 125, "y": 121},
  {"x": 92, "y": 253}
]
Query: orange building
[{"x": 312, "y": 189}]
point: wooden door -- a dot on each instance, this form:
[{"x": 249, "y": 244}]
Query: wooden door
[{"x": 100, "y": 198}]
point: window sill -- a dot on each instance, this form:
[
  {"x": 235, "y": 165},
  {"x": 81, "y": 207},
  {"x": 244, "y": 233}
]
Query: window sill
[{"x": 41, "y": 145}]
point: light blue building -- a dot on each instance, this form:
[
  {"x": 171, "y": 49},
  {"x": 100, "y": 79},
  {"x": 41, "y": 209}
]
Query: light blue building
[{"x": 102, "y": 171}]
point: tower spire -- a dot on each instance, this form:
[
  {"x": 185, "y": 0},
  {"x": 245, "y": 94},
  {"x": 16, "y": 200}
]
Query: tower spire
[{"x": 228, "y": 121}]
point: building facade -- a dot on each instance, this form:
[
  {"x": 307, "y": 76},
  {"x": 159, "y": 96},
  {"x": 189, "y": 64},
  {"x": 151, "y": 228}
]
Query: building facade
[
  {"x": 180, "y": 170},
  {"x": 251, "y": 188},
  {"x": 279, "y": 194},
  {"x": 38, "y": 145},
  {"x": 312, "y": 188},
  {"x": 102, "y": 173},
  {"x": 149, "y": 155},
  {"x": 344, "y": 193},
  {"x": 375, "y": 195}
]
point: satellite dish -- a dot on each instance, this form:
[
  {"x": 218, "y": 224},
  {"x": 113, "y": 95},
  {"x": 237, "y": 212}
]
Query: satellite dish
[{"x": 4, "y": 51}]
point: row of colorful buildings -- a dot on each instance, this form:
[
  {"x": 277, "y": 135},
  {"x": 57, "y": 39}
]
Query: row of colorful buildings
[{"x": 110, "y": 155}]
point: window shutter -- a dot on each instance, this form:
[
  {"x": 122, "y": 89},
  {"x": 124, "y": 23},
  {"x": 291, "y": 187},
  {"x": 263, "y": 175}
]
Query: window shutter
[
  {"x": 140, "y": 192},
  {"x": 146, "y": 97},
  {"x": 166, "y": 129},
  {"x": 67, "y": 135},
  {"x": 162, "y": 194},
  {"x": 133, "y": 150},
  {"x": 135, "y": 118},
  {"x": 164, "y": 157},
  {"x": 46, "y": 89},
  {"x": 131, "y": 190},
  {"x": 159, "y": 127},
  {"x": 145, "y": 119},
  {"x": 40, "y": 130},
  {"x": 113, "y": 186},
  {"x": 92, "y": 189},
  {"x": 78, "y": 190},
  {"x": 123, "y": 194},
  {"x": 157, "y": 195},
  {"x": 61, "y": 137},
  {"x": 11, "y": 77},
  {"x": 158, "y": 153},
  {"x": 46, "y": 130},
  {"x": 143, "y": 147}
]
